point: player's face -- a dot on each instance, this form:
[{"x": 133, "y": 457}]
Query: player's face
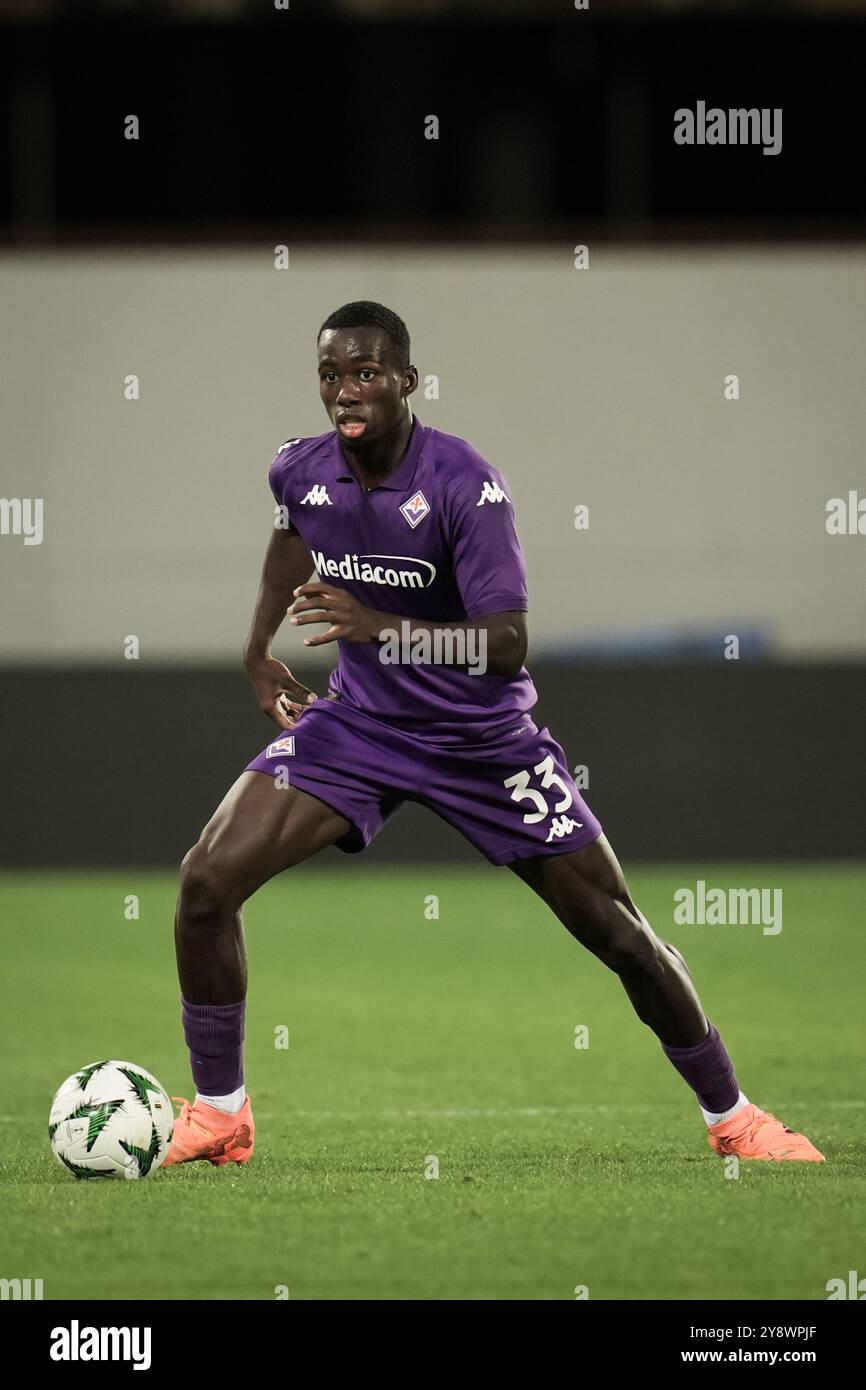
[{"x": 363, "y": 390}]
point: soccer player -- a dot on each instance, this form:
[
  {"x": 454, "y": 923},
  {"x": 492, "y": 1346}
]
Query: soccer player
[{"x": 422, "y": 584}]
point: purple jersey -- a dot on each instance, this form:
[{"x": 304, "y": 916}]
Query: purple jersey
[{"x": 436, "y": 541}]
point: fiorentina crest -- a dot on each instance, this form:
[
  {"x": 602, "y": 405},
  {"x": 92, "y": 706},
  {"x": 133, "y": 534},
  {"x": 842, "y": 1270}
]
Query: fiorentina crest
[{"x": 415, "y": 509}]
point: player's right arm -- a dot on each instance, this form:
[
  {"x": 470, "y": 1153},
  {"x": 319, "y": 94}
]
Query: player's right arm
[{"x": 288, "y": 563}]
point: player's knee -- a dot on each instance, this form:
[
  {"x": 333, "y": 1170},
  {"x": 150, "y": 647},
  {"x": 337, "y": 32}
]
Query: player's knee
[
  {"x": 678, "y": 956},
  {"x": 629, "y": 950},
  {"x": 202, "y": 889}
]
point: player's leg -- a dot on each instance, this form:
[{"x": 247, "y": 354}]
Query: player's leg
[
  {"x": 260, "y": 828},
  {"x": 587, "y": 891},
  {"x": 515, "y": 800}
]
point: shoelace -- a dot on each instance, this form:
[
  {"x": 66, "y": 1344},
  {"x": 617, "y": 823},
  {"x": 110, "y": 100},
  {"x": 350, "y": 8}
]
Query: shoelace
[
  {"x": 185, "y": 1107},
  {"x": 754, "y": 1127}
]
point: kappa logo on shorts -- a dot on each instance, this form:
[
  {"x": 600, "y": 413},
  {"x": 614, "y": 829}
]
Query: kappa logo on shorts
[
  {"x": 561, "y": 826},
  {"x": 415, "y": 509},
  {"x": 286, "y": 744}
]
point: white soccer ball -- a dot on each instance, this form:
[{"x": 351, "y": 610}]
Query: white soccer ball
[{"x": 111, "y": 1120}]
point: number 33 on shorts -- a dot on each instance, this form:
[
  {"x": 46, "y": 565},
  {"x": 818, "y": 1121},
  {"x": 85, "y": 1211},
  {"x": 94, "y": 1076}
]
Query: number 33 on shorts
[{"x": 549, "y": 780}]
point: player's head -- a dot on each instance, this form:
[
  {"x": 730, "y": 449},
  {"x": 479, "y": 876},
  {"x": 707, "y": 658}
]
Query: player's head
[{"x": 365, "y": 377}]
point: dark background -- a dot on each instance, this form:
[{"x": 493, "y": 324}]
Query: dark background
[
  {"x": 684, "y": 762},
  {"x": 285, "y": 120}
]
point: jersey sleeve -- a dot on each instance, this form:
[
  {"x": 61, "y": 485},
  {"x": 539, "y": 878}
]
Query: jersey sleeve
[
  {"x": 487, "y": 558},
  {"x": 277, "y": 480}
]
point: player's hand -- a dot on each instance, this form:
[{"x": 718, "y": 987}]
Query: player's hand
[
  {"x": 280, "y": 696},
  {"x": 349, "y": 620}
]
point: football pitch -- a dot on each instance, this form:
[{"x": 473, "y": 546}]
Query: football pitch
[{"x": 419, "y": 1046}]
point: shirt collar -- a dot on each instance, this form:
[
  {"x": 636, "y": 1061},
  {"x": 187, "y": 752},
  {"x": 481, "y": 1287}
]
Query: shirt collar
[{"x": 404, "y": 474}]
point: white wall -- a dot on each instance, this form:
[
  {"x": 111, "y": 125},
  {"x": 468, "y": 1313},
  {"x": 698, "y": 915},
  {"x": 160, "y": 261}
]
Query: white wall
[{"x": 601, "y": 386}]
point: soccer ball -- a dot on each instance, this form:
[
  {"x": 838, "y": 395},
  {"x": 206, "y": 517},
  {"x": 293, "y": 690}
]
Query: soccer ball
[{"x": 111, "y": 1120}]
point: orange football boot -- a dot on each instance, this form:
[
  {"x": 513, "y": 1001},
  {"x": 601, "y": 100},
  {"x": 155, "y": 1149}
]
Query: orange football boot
[
  {"x": 202, "y": 1131},
  {"x": 755, "y": 1133}
]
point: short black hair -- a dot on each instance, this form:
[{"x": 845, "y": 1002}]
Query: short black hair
[{"x": 365, "y": 313}]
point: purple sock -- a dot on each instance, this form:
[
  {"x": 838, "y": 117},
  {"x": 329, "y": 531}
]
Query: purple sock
[
  {"x": 709, "y": 1071},
  {"x": 215, "y": 1037}
]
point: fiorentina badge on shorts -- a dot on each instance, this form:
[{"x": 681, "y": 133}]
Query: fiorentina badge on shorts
[
  {"x": 415, "y": 509},
  {"x": 286, "y": 744}
]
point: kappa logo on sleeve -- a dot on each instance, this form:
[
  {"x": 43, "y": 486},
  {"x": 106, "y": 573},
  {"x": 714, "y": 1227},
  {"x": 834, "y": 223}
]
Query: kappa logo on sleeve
[
  {"x": 415, "y": 509},
  {"x": 492, "y": 492},
  {"x": 284, "y": 448},
  {"x": 286, "y": 744}
]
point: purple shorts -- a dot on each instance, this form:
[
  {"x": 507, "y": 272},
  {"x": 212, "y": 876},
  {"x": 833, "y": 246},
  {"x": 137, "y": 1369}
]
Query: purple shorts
[{"x": 512, "y": 796}]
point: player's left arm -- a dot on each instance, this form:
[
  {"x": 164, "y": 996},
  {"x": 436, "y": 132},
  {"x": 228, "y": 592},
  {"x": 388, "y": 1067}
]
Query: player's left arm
[{"x": 489, "y": 569}]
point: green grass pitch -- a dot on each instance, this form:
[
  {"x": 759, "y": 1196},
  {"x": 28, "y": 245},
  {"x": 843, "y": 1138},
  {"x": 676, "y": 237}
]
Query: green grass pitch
[{"x": 412, "y": 1039}]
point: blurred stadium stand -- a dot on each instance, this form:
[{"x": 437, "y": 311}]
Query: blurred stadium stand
[{"x": 549, "y": 126}]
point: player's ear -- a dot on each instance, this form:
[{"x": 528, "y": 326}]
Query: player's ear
[{"x": 410, "y": 381}]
